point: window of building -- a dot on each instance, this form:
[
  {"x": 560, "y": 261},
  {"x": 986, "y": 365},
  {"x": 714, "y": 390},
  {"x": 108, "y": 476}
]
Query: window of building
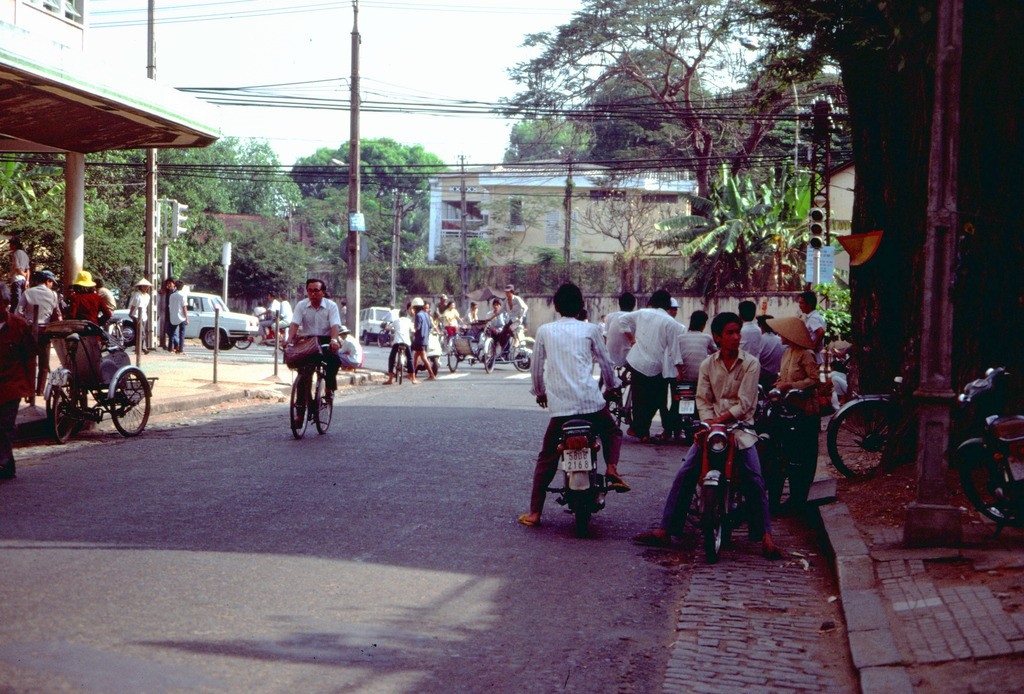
[
  {"x": 70, "y": 10},
  {"x": 451, "y": 218},
  {"x": 515, "y": 211}
]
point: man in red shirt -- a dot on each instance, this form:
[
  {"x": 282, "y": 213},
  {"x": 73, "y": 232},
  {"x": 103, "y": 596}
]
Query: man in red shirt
[{"x": 17, "y": 364}]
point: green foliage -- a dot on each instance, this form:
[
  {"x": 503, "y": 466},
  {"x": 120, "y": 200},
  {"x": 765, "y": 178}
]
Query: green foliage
[
  {"x": 32, "y": 205},
  {"x": 556, "y": 139},
  {"x": 744, "y": 236},
  {"x": 546, "y": 255},
  {"x": 835, "y": 309},
  {"x": 649, "y": 75}
]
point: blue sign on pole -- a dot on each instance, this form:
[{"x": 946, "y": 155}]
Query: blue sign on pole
[{"x": 357, "y": 222}]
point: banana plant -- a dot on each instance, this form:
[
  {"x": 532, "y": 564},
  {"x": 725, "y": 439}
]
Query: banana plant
[{"x": 744, "y": 236}]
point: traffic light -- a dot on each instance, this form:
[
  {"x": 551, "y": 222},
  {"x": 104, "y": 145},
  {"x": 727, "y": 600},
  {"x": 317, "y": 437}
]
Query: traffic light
[
  {"x": 178, "y": 218},
  {"x": 816, "y": 225}
]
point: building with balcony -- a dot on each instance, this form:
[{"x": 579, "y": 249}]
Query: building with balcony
[{"x": 522, "y": 209}]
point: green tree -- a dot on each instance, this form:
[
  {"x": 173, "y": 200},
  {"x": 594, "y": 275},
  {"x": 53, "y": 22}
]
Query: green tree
[
  {"x": 674, "y": 69},
  {"x": 548, "y": 139},
  {"x": 744, "y": 236},
  {"x": 392, "y": 175}
]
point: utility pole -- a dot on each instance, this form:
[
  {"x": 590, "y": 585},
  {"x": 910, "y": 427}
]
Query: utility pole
[
  {"x": 931, "y": 520},
  {"x": 354, "y": 216},
  {"x": 567, "y": 204},
  {"x": 396, "y": 230},
  {"x": 151, "y": 203},
  {"x": 464, "y": 262}
]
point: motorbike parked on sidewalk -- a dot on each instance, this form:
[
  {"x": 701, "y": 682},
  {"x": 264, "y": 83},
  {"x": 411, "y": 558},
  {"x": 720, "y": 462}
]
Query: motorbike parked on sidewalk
[
  {"x": 721, "y": 504},
  {"x": 991, "y": 466},
  {"x": 583, "y": 490}
]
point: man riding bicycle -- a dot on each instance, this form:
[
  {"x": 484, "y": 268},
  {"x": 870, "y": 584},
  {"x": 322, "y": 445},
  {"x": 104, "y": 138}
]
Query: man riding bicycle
[
  {"x": 318, "y": 316},
  {"x": 515, "y": 313}
]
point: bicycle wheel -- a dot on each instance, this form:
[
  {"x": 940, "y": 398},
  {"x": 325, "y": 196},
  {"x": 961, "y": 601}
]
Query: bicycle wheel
[
  {"x": 297, "y": 408},
  {"x": 243, "y": 343},
  {"x": 490, "y": 356},
  {"x": 453, "y": 361},
  {"x": 129, "y": 409},
  {"x": 59, "y": 412},
  {"x": 624, "y": 409},
  {"x": 323, "y": 405},
  {"x": 857, "y": 437}
]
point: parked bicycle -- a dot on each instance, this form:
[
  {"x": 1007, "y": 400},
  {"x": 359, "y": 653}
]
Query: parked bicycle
[
  {"x": 310, "y": 401},
  {"x": 860, "y": 432}
]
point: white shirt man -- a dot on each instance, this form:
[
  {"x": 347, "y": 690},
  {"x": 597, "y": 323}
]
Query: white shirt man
[
  {"x": 350, "y": 353},
  {"x": 653, "y": 333}
]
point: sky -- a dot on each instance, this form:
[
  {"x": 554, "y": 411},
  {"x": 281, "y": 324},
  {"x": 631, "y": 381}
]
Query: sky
[{"x": 411, "y": 51}]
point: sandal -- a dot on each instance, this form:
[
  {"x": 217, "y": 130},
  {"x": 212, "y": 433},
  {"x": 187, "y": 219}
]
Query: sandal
[
  {"x": 525, "y": 520},
  {"x": 616, "y": 483}
]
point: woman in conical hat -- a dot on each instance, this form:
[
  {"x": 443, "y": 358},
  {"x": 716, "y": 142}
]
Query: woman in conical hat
[{"x": 799, "y": 370}]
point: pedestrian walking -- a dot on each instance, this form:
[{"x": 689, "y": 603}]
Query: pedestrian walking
[{"x": 17, "y": 360}]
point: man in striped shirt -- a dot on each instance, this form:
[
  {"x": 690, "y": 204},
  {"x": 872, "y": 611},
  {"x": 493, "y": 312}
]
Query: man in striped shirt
[{"x": 562, "y": 369}]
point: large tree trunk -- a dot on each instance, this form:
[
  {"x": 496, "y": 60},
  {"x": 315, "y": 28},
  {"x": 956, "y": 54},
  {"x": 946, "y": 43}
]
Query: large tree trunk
[
  {"x": 890, "y": 102},
  {"x": 890, "y": 97},
  {"x": 988, "y": 294}
]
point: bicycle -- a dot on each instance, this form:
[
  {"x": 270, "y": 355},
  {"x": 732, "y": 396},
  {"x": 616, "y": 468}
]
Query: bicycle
[
  {"x": 861, "y": 430},
  {"x": 310, "y": 401},
  {"x": 622, "y": 409}
]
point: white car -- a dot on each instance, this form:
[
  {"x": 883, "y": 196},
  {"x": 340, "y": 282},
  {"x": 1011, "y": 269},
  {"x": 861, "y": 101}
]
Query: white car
[{"x": 235, "y": 328}]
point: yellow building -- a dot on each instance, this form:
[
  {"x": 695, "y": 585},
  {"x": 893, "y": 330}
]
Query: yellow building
[{"x": 521, "y": 210}]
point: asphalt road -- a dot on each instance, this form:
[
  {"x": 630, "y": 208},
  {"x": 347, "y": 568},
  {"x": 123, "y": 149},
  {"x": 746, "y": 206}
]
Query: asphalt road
[{"x": 216, "y": 553}]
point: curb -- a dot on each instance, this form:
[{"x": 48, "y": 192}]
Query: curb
[
  {"x": 32, "y": 423},
  {"x": 872, "y": 644}
]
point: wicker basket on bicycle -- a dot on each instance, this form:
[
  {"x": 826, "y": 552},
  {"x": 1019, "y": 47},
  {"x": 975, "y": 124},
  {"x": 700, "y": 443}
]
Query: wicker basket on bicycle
[{"x": 91, "y": 366}]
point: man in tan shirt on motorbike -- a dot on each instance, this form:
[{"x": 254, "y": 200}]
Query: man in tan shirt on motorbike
[{"x": 726, "y": 393}]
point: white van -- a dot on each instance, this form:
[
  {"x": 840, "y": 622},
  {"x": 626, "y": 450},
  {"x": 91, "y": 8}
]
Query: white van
[{"x": 369, "y": 323}]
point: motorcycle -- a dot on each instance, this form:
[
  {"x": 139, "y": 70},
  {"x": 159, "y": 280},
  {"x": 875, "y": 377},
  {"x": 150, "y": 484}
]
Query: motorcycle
[
  {"x": 776, "y": 425},
  {"x": 991, "y": 466},
  {"x": 583, "y": 490},
  {"x": 721, "y": 505},
  {"x": 685, "y": 393}
]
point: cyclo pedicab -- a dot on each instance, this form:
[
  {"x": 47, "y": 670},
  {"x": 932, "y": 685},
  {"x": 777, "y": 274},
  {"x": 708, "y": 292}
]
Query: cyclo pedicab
[{"x": 93, "y": 362}]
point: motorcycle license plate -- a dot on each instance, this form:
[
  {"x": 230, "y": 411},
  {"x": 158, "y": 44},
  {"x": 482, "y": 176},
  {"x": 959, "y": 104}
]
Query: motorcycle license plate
[
  {"x": 576, "y": 460},
  {"x": 1017, "y": 470},
  {"x": 687, "y": 407}
]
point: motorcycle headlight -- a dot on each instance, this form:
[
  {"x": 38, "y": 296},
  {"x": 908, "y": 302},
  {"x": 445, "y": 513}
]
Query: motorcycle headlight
[{"x": 717, "y": 443}]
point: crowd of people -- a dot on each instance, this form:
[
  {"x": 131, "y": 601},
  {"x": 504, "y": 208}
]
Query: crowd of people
[{"x": 655, "y": 349}]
